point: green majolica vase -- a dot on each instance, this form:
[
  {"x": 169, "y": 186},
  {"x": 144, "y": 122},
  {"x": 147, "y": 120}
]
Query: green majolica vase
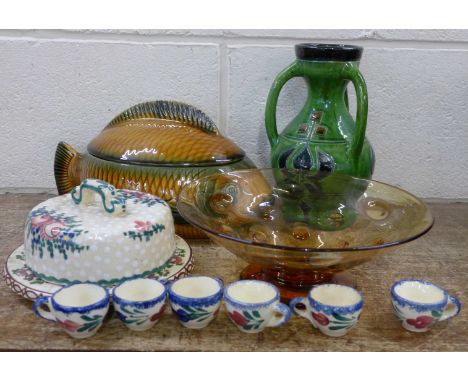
[{"x": 323, "y": 137}]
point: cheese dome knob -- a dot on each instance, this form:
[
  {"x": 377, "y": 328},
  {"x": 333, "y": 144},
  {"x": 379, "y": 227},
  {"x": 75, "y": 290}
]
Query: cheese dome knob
[{"x": 85, "y": 194}]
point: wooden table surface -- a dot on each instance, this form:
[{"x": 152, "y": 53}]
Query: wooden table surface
[{"x": 441, "y": 256}]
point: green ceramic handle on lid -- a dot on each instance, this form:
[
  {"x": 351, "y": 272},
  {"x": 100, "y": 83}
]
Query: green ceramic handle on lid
[
  {"x": 111, "y": 202},
  {"x": 293, "y": 70}
]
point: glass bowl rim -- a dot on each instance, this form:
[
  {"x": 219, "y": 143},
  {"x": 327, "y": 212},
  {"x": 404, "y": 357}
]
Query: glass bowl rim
[{"x": 306, "y": 249}]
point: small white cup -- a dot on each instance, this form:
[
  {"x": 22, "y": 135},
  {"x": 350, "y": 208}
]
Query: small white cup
[
  {"x": 420, "y": 304},
  {"x": 253, "y": 305},
  {"x": 139, "y": 303},
  {"x": 331, "y": 308},
  {"x": 78, "y": 308},
  {"x": 195, "y": 300}
]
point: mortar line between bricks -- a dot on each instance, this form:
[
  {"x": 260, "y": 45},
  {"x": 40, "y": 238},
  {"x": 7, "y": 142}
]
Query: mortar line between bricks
[
  {"x": 368, "y": 40},
  {"x": 224, "y": 89}
]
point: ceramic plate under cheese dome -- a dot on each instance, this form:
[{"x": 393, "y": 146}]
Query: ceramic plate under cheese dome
[{"x": 23, "y": 282}]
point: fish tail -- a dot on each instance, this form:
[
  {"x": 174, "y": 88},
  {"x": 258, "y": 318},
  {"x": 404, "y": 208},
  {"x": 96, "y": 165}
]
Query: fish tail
[{"x": 65, "y": 166}]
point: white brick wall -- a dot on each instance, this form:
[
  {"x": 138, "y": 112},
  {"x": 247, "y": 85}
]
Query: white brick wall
[{"x": 66, "y": 85}]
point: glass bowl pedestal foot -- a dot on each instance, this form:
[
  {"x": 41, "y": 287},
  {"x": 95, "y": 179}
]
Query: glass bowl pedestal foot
[{"x": 293, "y": 284}]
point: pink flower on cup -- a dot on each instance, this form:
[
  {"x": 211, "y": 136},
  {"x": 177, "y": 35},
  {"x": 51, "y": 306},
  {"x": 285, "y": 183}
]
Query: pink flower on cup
[
  {"x": 238, "y": 318},
  {"x": 157, "y": 315},
  {"x": 143, "y": 226},
  {"x": 420, "y": 322},
  {"x": 68, "y": 325},
  {"x": 320, "y": 318}
]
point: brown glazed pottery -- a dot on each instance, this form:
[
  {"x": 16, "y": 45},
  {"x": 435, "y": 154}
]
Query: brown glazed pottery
[{"x": 155, "y": 147}]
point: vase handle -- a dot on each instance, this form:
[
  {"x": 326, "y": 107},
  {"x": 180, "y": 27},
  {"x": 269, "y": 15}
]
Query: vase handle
[
  {"x": 353, "y": 74},
  {"x": 293, "y": 70}
]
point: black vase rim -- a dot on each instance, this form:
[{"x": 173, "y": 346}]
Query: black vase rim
[{"x": 328, "y": 52}]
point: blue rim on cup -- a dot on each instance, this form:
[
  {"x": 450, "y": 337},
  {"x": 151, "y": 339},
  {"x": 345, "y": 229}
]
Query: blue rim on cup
[
  {"x": 420, "y": 306},
  {"x": 240, "y": 304},
  {"x": 76, "y": 318},
  {"x": 329, "y": 309},
  {"x": 140, "y": 302},
  {"x": 417, "y": 315},
  {"x": 195, "y": 299},
  {"x": 254, "y": 316},
  {"x": 71, "y": 309}
]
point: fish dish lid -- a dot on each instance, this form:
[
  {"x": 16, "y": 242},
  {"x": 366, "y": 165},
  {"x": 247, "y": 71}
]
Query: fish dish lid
[{"x": 164, "y": 133}]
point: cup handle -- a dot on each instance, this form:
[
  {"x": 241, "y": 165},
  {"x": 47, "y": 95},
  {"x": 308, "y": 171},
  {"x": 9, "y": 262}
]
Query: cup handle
[
  {"x": 452, "y": 308},
  {"x": 39, "y": 310},
  {"x": 305, "y": 313},
  {"x": 285, "y": 315},
  {"x": 220, "y": 279}
]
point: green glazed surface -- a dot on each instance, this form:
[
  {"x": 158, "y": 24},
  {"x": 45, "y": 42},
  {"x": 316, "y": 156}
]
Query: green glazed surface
[{"x": 323, "y": 137}]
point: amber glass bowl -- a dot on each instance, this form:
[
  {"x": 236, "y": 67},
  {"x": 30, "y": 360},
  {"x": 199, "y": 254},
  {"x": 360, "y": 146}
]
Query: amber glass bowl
[{"x": 297, "y": 228}]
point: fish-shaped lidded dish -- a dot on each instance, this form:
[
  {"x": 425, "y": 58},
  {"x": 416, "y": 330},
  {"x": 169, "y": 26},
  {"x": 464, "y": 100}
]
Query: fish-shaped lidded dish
[{"x": 154, "y": 147}]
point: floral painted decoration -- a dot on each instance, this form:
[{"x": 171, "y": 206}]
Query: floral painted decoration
[
  {"x": 247, "y": 320},
  {"x": 136, "y": 316},
  {"x": 143, "y": 198},
  {"x": 91, "y": 324},
  {"x": 158, "y": 315},
  {"x": 338, "y": 322},
  {"x": 23, "y": 281},
  {"x": 144, "y": 230},
  {"x": 68, "y": 325},
  {"x": 143, "y": 226},
  {"x": 420, "y": 322},
  {"x": 53, "y": 232},
  {"x": 321, "y": 319},
  {"x": 25, "y": 273},
  {"x": 177, "y": 259},
  {"x": 192, "y": 313}
]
